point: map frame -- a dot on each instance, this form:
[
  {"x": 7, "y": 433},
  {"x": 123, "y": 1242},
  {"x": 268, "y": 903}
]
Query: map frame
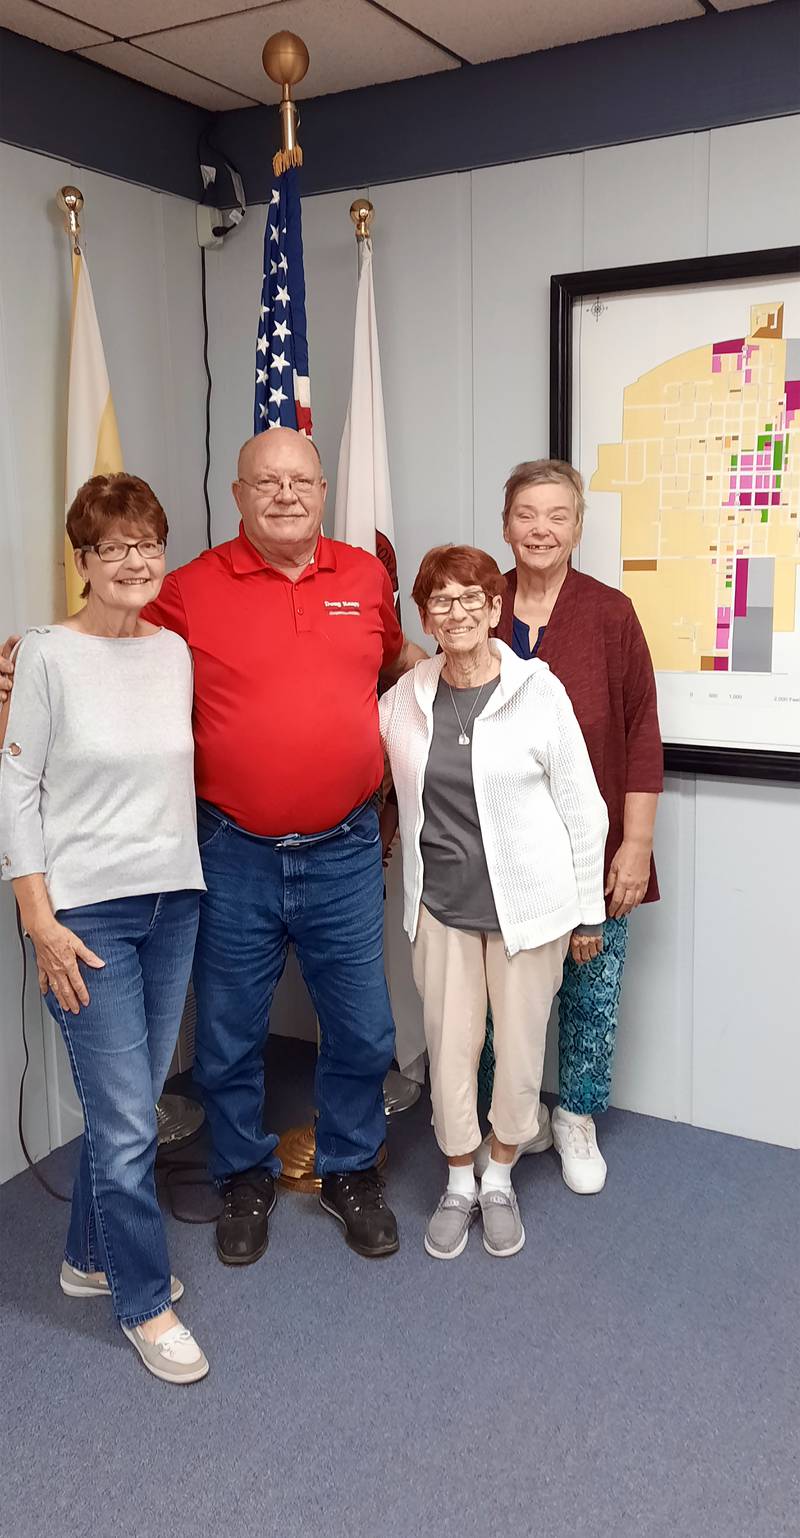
[{"x": 567, "y": 290}]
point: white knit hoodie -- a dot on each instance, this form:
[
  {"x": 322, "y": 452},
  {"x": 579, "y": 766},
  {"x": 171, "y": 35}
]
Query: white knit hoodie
[{"x": 543, "y": 820}]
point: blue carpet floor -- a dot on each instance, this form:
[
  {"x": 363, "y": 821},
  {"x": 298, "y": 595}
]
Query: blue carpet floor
[{"x": 633, "y": 1373}]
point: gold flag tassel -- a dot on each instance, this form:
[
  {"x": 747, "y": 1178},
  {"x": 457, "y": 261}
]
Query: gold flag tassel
[{"x": 285, "y": 60}]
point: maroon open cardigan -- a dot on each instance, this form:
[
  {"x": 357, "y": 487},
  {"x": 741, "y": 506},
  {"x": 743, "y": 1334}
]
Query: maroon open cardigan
[{"x": 595, "y": 645}]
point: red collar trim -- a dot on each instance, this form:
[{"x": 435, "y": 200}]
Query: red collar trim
[{"x": 245, "y": 558}]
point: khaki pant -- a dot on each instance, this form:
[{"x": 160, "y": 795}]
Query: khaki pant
[{"x": 454, "y": 970}]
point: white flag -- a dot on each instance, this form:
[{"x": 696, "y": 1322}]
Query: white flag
[
  {"x": 363, "y": 490},
  {"x": 93, "y": 446}
]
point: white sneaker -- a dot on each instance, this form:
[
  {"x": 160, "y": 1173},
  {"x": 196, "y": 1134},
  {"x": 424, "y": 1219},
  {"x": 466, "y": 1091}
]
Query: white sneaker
[
  {"x": 76, "y": 1284},
  {"x": 175, "y": 1356},
  {"x": 582, "y": 1164},
  {"x": 542, "y": 1140}
]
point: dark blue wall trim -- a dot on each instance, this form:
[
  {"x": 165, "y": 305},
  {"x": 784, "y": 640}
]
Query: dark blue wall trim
[
  {"x": 673, "y": 79},
  {"x": 692, "y": 75},
  {"x": 69, "y": 107}
]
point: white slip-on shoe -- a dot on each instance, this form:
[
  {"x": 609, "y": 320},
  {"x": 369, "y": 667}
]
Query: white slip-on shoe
[
  {"x": 582, "y": 1164},
  {"x": 76, "y": 1284},
  {"x": 175, "y": 1357},
  {"x": 542, "y": 1140}
]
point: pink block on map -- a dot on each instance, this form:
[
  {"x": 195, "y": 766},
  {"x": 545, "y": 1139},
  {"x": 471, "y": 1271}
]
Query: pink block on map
[
  {"x": 740, "y": 590},
  {"x": 776, "y": 498},
  {"x": 717, "y": 366},
  {"x": 723, "y": 636},
  {"x": 720, "y": 664}
]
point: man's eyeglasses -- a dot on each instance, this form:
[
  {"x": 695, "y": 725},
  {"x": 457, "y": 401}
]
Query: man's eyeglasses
[
  {"x": 269, "y": 485},
  {"x": 471, "y": 601},
  {"x": 117, "y": 549}
]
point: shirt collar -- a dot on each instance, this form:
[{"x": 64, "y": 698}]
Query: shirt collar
[{"x": 245, "y": 558}]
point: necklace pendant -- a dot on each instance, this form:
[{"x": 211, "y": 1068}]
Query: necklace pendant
[{"x": 463, "y": 740}]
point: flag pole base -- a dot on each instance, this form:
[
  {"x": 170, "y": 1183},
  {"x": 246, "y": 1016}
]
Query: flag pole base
[
  {"x": 399, "y": 1093},
  {"x": 296, "y": 1151}
]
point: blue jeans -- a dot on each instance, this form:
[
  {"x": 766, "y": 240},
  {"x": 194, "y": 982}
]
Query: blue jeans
[
  {"x": 324, "y": 893},
  {"x": 120, "y": 1047}
]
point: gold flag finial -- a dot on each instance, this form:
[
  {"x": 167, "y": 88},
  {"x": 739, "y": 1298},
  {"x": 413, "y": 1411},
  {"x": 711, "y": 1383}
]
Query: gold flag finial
[
  {"x": 361, "y": 213},
  {"x": 285, "y": 60},
  {"x": 70, "y": 201}
]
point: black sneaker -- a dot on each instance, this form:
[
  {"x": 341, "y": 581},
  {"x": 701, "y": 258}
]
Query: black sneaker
[
  {"x": 356, "y": 1199},
  {"x": 243, "y": 1225}
]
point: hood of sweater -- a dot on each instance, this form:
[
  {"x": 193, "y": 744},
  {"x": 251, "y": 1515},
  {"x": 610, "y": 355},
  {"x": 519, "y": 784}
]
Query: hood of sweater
[{"x": 514, "y": 673}]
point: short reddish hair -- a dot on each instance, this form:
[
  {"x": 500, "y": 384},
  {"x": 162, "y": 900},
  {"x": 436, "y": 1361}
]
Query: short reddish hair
[
  {"x": 110, "y": 499},
  {"x": 457, "y": 563}
]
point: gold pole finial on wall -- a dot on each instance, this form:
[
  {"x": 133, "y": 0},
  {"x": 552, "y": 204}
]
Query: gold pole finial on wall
[
  {"x": 361, "y": 213},
  {"x": 70, "y": 201},
  {"x": 285, "y": 60}
]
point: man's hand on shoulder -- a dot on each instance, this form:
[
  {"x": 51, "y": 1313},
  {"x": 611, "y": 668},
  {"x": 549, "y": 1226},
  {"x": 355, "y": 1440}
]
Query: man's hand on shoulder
[{"x": 407, "y": 658}]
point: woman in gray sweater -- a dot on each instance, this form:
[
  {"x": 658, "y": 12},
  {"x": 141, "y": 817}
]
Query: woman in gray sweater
[{"x": 98, "y": 836}]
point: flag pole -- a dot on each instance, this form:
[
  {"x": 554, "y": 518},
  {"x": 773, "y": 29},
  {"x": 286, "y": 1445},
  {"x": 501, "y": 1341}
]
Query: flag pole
[{"x": 285, "y": 60}]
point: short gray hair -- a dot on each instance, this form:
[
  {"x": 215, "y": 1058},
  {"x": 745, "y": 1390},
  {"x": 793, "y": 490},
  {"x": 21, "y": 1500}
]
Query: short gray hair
[{"x": 545, "y": 472}]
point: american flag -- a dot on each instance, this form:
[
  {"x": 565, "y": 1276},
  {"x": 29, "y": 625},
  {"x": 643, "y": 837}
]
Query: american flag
[{"x": 283, "y": 392}]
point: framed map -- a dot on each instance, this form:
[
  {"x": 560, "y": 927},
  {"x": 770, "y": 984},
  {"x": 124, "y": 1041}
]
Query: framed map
[{"x": 675, "y": 390}]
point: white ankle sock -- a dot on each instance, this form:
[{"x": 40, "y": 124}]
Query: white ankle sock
[
  {"x": 496, "y": 1177},
  {"x": 461, "y": 1179}
]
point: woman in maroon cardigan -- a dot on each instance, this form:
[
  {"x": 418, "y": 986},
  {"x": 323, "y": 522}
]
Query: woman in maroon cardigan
[{"x": 589, "y": 635}]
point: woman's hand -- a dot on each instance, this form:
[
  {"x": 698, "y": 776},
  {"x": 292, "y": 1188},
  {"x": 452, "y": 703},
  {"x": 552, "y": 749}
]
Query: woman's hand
[
  {"x": 585, "y": 947},
  {"x": 388, "y": 823},
  {"x": 7, "y": 667},
  {"x": 58, "y": 952},
  {"x": 628, "y": 878}
]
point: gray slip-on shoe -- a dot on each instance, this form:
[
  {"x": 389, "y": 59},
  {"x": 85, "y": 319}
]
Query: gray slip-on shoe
[
  {"x": 76, "y": 1284},
  {"x": 175, "y": 1357},
  {"x": 542, "y": 1140},
  {"x": 503, "y": 1233},
  {"x": 448, "y": 1227}
]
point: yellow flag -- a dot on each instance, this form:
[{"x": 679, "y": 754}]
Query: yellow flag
[{"x": 93, "y": 446}]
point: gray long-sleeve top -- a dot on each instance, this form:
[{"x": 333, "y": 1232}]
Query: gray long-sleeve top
[{"x": 96, "y": 777}]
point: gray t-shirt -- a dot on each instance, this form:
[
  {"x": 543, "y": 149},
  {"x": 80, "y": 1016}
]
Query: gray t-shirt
[
  {"x": 456, "y": 886},
  {"x": 96, "y": 779}
]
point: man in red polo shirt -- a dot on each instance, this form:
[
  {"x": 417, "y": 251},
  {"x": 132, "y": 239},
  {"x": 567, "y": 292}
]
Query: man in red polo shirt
[{"x": 289, "y": 632}]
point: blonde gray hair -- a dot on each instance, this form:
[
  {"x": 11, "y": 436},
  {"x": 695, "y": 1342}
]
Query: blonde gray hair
[{"x": 544, "y": 472}]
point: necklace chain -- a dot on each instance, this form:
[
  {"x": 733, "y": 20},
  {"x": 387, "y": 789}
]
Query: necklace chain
[{"x": 463, "y": 740}]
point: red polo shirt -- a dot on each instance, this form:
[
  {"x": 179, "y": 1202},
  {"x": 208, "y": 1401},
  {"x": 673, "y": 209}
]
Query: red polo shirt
[{"x": 285, "y": 678}]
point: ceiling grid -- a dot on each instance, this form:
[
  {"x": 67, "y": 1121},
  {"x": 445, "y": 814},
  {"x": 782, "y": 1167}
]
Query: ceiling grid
[{"x": 209, "y": 51}]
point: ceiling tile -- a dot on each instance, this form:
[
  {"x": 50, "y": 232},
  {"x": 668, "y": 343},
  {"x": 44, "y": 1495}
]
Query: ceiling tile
[
  {"x": 351, "y": 44},
  {"x": 509, "y": 27},
  {"x": 126, "y": 18},
  {"x": 129, "y": 60},
  {"x": 47, "y": 26}
]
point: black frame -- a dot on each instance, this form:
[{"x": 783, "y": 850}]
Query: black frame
[{"x": 565, "y": 290}]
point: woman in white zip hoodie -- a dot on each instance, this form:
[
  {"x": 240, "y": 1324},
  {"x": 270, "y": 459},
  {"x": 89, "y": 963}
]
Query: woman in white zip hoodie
[{"x": 503, "y": 831}]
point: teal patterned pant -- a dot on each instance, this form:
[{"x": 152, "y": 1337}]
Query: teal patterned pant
[{"x": 588, "y": 1002}]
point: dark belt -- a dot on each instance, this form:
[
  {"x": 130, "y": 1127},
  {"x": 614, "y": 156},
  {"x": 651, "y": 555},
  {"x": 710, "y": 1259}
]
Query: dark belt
[{"x": 295, "y": 840}]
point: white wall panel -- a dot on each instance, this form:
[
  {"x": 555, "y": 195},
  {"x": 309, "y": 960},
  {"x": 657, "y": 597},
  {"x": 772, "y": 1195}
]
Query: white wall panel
[
  {"x": 754, "y": 201},
  {"x": 527, "y": 222},
  {"x": 645, "y": 202},
  {"x": 746, "y": 1050}
]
